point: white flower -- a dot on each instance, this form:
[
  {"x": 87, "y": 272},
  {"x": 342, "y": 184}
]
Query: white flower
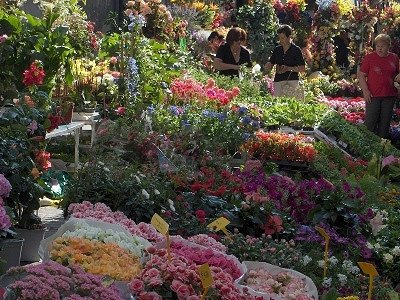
[
  {"x": 137, "y": 179},
  {"x": 145, "y": 194},
  {"x": 333, "y": 260},
  {"x": 156, "y": 192},
  {"x": 369, "y": 245},
  {"x": 306, "y": 259},
  {"x": 396, "y": 251},
  {"x": 327, "y": 282},
  {"x": 388, "y": 258},
  {"x": 342, "y": 279},
  {"x": 377, "y": 223},
  {"x": 377, "y": 246},
  {"x": 321, "y": 263},
  {"x": 171, "y": 204}
]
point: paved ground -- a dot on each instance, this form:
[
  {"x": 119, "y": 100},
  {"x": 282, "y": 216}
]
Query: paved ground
[{"x": 52, "y": 218}]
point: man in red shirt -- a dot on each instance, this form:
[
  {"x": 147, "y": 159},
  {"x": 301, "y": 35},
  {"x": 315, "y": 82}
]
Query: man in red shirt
[{"x": 376, "y": 77}]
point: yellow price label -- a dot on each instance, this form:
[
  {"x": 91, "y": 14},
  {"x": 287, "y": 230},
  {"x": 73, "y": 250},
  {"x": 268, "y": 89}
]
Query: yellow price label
[
  {"x": 205, "y": 276},
  {"x": 325, "y": 235},
  {"x": 219, "y": 224},
  {"x": 368, "y": 268},
  {"x": 322, "y": 232},
  {"x": 159, "y": 224}
]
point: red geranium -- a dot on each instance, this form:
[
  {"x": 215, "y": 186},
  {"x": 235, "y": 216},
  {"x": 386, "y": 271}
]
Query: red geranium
[
  {"x": 34, "y": 75},
  {"x": 273, "y": 225}
]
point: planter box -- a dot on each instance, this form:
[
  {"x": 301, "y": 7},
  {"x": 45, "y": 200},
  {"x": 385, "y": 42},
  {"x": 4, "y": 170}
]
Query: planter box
[
  {"x": 32, "y": 239},
  {"x": 11, "y": 252}
]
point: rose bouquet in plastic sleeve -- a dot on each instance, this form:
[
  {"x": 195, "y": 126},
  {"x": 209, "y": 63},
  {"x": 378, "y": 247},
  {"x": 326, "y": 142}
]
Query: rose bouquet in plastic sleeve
[{"x": 273, "y": 282}]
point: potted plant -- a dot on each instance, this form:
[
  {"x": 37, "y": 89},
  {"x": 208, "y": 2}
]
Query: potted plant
[
  {"x": 22, "y": 160},
  {"x": 10, "y": 248}
]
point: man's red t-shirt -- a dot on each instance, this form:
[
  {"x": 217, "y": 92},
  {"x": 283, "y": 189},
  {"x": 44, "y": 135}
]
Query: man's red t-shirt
[{"x": 380, "y": 74}]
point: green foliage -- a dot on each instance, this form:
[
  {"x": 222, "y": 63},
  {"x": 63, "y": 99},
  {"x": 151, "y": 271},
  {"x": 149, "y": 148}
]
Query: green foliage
[
  {"x": 17, "y": 161},
  {"x": 261, "y": 23},
  {"x": 30, "y": 39},
  {"x": 361, "y": 142}
]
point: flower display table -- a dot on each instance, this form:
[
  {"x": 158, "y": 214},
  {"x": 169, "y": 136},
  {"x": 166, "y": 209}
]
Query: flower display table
[{"x": 73, "y": 127}]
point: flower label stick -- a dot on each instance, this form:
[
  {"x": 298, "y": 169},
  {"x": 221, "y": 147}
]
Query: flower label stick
[
  {"x": 162, "y": 227},
  {"x": 325, "y": 235},
  {"x": 206, "y": 278},
  {"x": 220, "y": 224},
  {"x": 370, "y": 270}
]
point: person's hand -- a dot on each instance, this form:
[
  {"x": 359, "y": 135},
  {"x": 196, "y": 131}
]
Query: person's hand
[
  {"x": 285, "y": 69},
  {"x": 367, "y": 96},
  {"x": 397, "y": 78}
]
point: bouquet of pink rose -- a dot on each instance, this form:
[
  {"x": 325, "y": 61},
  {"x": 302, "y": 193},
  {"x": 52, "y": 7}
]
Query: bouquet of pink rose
[
  {"x": 50, "y": 280},
  {"x": 177, "y": 278},
  {"x": 273, "y": 282}
]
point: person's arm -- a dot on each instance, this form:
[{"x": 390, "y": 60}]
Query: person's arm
[
  {"x": 362, "y": 79},
  {"x": 221, "y": 66}
]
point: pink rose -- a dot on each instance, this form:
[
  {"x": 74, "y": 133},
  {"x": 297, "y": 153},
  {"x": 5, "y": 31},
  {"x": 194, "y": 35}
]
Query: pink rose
[
  {"x": 150, "y": 296},
  {"x": 136, "y": 285}
]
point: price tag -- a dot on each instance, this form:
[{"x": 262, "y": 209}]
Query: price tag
[
  {"x": 162, "y": 227},
  {"x": 159, "y": 224},
  {"x": 370, "y": 270},
  {"x": 206, "y": 278},
  {"x": 325, "y": 235},
  {"x": 220, "y": 224}
]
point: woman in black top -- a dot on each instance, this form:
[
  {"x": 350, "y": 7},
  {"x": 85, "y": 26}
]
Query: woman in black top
[
  {"x": 232, "y": 54},
  {"x": 289, "y": 61}
]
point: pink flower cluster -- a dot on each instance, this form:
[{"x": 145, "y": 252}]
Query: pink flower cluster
[
  {"x": 178, "y": 275},
  {"x": 51, "y": 280},
  {"x": 5, "y": 186},
  {"x": 201, "y": 255},
  {"x": 282, "y": 284},
  {"x": 188, "y": 90},
  {"x": 207, "y": 241},
  {"x": 352, "y": 109},
  {"x": 5, "y": 189},
  {"x": 102, "y": 212}
]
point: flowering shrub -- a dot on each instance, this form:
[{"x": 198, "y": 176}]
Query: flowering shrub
[
  {"x": 50, "y": 280},
  {"x": 280, "y": 146},
  {"x": 188, "y": 90},
  {"x": 34, "y": 75},
  {"x": 96, "y": 257},
  {"x": 5, "y": 221},
  {"x": 353, "y": 109}
]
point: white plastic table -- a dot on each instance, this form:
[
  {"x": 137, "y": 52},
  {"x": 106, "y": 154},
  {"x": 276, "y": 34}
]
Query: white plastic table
[
  {"x": 89, "y": 119},
  {"x": 73, "y": 127}
]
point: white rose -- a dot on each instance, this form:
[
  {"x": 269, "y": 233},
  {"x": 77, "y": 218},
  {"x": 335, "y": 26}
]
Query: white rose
[
  {"x": 388, "y": 258},
  {"x": 396, "y": 251}
]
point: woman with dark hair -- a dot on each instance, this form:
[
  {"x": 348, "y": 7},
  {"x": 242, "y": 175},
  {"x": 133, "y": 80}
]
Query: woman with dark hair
[
  {"x": 215, "y": 39},
  {"x": 289, "y": 62},
  {"x": 232, "y": 54}
]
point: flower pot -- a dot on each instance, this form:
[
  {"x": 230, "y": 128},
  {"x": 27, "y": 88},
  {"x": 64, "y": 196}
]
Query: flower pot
[
  {"x": 11, "y": 251},
  {"x": 32, "y": 239}
]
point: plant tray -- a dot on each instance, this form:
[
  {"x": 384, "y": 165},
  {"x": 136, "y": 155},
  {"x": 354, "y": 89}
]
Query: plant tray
[{"x": 332, "y": 141}]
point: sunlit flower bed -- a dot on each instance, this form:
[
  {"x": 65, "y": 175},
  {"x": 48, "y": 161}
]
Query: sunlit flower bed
[
  {"x": 280, "y": 146},
  {"x": 352, "y": 109}
]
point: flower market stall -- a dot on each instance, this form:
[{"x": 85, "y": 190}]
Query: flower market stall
[{"x": 195, "y": 185}]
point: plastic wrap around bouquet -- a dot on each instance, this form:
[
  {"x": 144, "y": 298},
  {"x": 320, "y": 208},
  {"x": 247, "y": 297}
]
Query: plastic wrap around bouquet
[
  {"x": 96, "y": 230},
  {"x": 275, "y": 283},
  {"x": 200, "y": 254}
]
